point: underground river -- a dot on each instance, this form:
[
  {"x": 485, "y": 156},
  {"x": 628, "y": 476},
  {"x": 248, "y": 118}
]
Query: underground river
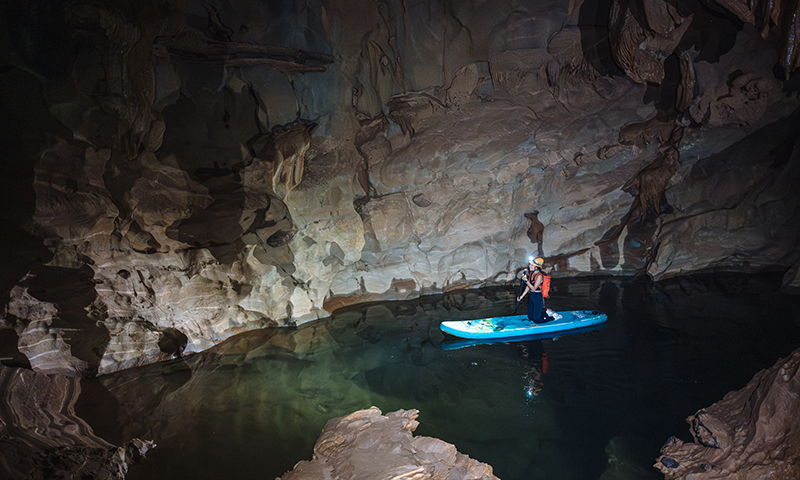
[{"x": 570, "y": 407}]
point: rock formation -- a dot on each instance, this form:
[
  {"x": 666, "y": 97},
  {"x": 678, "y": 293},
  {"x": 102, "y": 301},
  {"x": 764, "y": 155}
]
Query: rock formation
[
  {"x": 750, "y": 434},
  {"x": 781, "y": 15},
  {"x": 643, "y": 34},
  {"x": 369, "y": 445},
  {"x": 222, "y": 168},
  {"x": 41, "y": 437}
]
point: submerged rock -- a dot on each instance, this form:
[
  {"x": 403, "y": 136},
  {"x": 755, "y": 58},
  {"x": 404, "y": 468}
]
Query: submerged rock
[
  {"x": 750, "y": 434},
  {"x": 369, "y": 445},
  {"x": 623, "y": 460}
]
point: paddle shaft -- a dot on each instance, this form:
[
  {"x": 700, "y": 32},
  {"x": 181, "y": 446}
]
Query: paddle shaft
[{"x": 521, "y": 288}]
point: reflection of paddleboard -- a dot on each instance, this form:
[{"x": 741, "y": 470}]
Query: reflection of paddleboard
[
  {"x": 456, "y": 344},
  {"x": 519, "y": 325}
]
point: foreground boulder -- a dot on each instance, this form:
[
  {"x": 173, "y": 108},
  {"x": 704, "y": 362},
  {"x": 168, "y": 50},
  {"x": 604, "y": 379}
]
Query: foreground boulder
[
  {"x": 368, "y": 445},
  {"x": 751, "y": 434}
]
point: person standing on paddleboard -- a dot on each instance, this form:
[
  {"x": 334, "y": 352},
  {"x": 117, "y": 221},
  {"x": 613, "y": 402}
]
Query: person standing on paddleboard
[{"x": 535, "y": 274}]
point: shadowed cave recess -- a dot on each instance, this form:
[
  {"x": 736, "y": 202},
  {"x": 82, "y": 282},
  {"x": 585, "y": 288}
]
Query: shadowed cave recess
[{"x": 178, "y": 174}]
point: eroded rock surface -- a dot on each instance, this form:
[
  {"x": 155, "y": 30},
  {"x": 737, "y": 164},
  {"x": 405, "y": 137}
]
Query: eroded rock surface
[
  {"x": 41, "y": 437},
  {"x": 750, "y": 434},
  {"x": 222, "y": 169},
  {"x": 369, "y": 445}
]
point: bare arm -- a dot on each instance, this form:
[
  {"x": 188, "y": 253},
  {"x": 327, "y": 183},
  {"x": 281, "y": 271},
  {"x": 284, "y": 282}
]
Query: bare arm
[
  {"x": 524, "y": 292},
  {"x": 539, "y": 277},
  {"x": 528, "y": 287}
]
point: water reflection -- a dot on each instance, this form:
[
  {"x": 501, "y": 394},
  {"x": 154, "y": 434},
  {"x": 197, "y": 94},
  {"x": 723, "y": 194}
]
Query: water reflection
[
  {"x": 539, "y": 366},
  {"x": 556, "y": 407}
]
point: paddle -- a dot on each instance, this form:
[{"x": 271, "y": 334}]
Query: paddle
[{"x": 521, "y": 288}]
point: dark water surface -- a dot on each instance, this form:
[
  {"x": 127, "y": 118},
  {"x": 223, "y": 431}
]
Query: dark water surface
[{"x": 602, "y": 407}]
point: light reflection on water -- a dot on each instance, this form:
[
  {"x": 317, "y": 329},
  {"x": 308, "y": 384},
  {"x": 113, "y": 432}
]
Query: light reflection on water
[{"x": 606, "y": 401}]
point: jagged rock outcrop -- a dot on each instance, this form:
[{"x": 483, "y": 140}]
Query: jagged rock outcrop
[
  {"x": 739, "y": 87},
  {"x": 41, "y": 437},
  {"x": 218, "y": 173},
  {"x": 369, "y": 445},
  {"x": 643, "y": 34},
  {"x": 783, "y": 15},
  {"x": 750, "y": 434}
]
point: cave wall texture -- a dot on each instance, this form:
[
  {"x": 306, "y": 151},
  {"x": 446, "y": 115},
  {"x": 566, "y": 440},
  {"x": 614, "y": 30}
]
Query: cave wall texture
[{"x": 175, "y": 173}]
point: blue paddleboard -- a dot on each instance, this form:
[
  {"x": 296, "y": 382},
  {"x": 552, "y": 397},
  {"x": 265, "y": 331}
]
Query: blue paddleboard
[
  {"x": 471, "y": 342},
  {"x": 520, "y": 326}
]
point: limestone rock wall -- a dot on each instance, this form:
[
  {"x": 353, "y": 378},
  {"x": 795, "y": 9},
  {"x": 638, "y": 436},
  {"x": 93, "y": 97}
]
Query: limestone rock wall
[{"x": 226, "y": 166}]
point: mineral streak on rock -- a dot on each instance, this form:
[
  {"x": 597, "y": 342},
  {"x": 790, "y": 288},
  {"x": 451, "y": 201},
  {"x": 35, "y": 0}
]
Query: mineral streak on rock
[
  {"x": 535, "y": 229},
  {"x": 41, "y": 437},
  {"x": 750, "y": 434},
  {"x": 369, "y": 445}
]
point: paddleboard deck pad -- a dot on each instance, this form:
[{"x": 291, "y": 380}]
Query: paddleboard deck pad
[{"x": 520, "y": 326}]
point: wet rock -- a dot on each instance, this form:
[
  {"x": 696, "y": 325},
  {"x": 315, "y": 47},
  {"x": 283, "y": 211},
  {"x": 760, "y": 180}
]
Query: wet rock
[
  {"x": 367, "y": 444},
  {"x": 43, "y": 438},
  {"x": 751, "y": 433}
]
